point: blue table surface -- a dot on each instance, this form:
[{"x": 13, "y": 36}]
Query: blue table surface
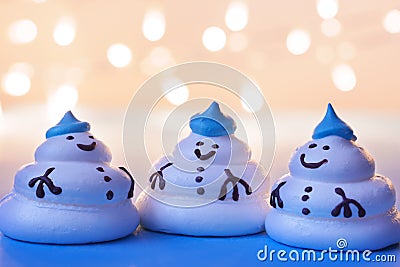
[{"x": 145, "y": 248}]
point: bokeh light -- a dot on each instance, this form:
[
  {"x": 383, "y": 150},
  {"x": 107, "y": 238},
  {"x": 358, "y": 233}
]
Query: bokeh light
[
  {"x": 327, "y": 9},
  {"x": 64, "y": 32},
  {"x": 178, "y": 95},
  {"x": 161, "y": 57},
  {"x": 153, "y": 26},
  {"x": 74, "y": 75},
  {"x": 119, "y": 55},
  {"x": 325, "y": 54},
  {"x": 16, "y": 83},
  {"x": 331, "y": 27},
  {"x": 237, "y": 42},
  {"x": 346, "y": 51},
  {"x": 22, "y": 31},
  {"x": 158, "y": 59},
  {"x": 237, "y": 16},
  {"x": 257, "y": 60},
  {"x": 64, "y": 98},
  {"x": 298, "y": 42},
  {"x": 391, "y": 21},
  {"x": 89, "y": 46},
  {"x": 214, "y": 39},
  {"x": 23, "y": 67},
  {"x": 344, "y": 78}
]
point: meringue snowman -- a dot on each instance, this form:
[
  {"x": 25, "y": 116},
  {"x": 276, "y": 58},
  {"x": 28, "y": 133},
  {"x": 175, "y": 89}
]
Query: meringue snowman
[
  {"x": 333, "y": 193},
  {"x": 208, "y": 186},
  {"x": 70, "y": 194}
]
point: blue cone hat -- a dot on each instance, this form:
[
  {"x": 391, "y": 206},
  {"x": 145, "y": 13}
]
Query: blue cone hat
[
  {"x": 333, "y": 125},
  {"x": 212, "y": 122},
  {"x": 68, "y": 124}
]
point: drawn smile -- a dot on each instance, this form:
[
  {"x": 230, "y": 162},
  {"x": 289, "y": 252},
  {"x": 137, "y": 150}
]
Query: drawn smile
[
  {"x": 311, "y": 165},
  {"x": 90, "y": 147},
  {"x": 203, "y": 157}
]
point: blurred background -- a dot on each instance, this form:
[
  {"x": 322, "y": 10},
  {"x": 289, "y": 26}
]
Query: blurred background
[{"x": 91, "y": 57}]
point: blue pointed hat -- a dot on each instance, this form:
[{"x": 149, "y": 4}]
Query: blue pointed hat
[
  {"x": 68, "y": 124},
  {"x": 212, "y": 122},
  {"x": 333, "y": 125}
]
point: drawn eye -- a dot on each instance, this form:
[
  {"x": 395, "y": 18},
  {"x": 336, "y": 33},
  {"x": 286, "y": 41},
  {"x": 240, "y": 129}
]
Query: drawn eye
[
  {"x": 215, "y": 146},
  {"x": 69, "y": 137},
  {"x": 199, "y": 143},
  {"x": 91, "y": 136},
  {"x": 326, "y": 148},
  {"x": 312, "y": 145}
]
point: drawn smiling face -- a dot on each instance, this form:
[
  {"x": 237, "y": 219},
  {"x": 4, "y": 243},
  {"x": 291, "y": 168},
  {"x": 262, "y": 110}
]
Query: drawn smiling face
[
  {"x": 197, "y": 150},
  {"x": 332, "y": 158},
  {"x": 84, "y": 147},
  {"x": 313, "y": 165},
  {"x": 73, "y": 147},
  {"x": 209, "y": 154}
]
